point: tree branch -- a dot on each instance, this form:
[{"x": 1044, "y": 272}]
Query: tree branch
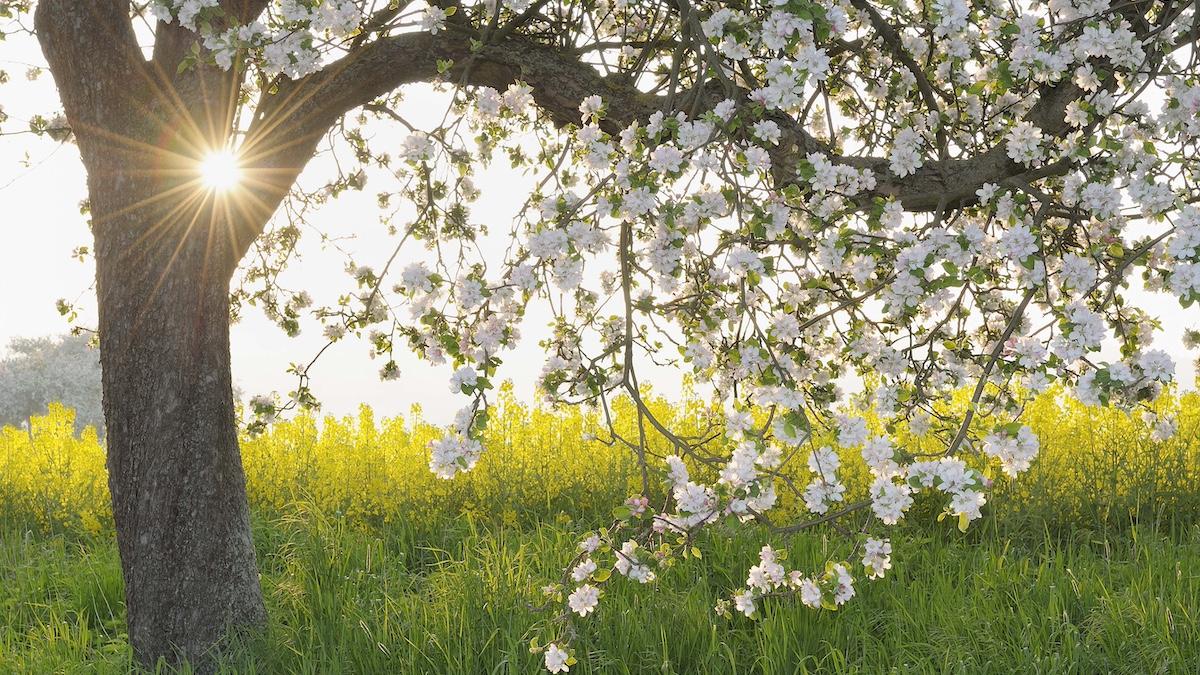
[
  {"x": 290, "y": 122},
  {"x": 244, "y": 11},
  {"x": 955, "y": 181},
  {"x": 95, "y": 60}
]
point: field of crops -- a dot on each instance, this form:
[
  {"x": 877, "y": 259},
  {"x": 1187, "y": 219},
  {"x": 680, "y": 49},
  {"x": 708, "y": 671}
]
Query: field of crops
[{"x": 1090, "y": 563}]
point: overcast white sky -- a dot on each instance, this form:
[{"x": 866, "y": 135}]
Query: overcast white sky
[{"x": 42, "y": 183}]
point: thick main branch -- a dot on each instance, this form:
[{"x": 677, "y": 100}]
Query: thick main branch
[{"x": 302, "y": 111}]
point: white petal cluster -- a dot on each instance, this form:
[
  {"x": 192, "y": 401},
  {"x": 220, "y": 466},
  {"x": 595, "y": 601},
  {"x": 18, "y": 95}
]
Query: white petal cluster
[
  {"x": 831, "y": 589},
  {"x": 951, "y": 476},
  {"x": 453, "y": 453},
  {"x": 584, "y": 599},
  {"x": 556, "y": 659},
  {"x": 825, "y": 488},
  {"x": 877, "y": 557},
  {"x": 629, "y": 564},
  {"x": 1015, "y": 452},
  {"x": 1024, "y": 143}
]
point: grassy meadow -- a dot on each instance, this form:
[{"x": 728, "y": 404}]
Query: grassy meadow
[{"x": 1090, "y": 563}]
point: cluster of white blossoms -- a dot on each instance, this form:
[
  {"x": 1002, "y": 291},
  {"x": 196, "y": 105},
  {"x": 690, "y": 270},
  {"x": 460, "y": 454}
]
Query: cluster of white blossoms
[
  {"x": 1083, "y": 331},
  {"x": 905, "y": 157},
  {"x": 1141, "y": 378},
  {"x": 877, "y": 557},
  {"x": 825, "y": 489},
  {"x": 288, "y": 46},
  {"x": 453, "y": 453},
  {"x": 1024, "y": 143},
  {"x": 951, "y": 475},
  {"x": 834, "y": 226},
  {"x": 696, "y": 504},
  {"x": 1015, "y": 452},
  {"x": 829, "y": 590},
  {"x": 1182, "y": 255},
  {"x": 1161, "y": 428},
  {"x": 558, "y": 660}
]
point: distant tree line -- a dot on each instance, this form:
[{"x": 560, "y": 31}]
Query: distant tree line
[{"x": 35, "y": 372}]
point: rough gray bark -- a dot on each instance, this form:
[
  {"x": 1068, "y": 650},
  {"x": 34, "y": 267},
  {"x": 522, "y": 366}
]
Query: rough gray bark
[
  {"x": 165, "y": 253},
  {"x": 175, "y": 471}
]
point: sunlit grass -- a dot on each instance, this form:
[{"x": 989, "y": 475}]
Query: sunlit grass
[{"x": 452, "y": 598}]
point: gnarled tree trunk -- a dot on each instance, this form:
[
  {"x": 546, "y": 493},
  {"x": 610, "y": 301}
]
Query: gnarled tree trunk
[
  {"x": 166, "y": 250},
  {"x": 175, "y": 471}
]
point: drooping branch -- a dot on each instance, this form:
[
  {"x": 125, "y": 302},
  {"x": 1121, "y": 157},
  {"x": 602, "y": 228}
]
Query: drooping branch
[{"x": 95, "y": 60}]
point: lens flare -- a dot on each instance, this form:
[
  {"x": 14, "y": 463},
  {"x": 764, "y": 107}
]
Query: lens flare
[{"x": 220, "y": 171}]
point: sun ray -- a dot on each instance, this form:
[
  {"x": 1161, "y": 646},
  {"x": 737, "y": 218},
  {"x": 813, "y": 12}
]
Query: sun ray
[{"x": 220, "y": 171}]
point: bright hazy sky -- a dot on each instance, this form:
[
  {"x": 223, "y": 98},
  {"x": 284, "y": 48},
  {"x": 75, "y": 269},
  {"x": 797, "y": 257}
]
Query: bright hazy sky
[{"x": 42, "y": 183}]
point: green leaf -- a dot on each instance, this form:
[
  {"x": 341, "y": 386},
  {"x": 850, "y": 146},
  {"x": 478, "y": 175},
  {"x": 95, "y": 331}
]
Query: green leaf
[
  {"x": 806, "y": 170},
  {"x": 1004, "y": 75}
]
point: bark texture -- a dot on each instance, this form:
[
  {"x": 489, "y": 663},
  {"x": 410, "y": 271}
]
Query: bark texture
[
  {"x": 165, "y": 253},
  {"x": 175, "y": 471}
]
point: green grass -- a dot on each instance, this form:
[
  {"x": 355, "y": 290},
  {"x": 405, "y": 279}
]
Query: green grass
[
  {"x": 1089, "y": 563},
  {"x": 454, "y": 598}
]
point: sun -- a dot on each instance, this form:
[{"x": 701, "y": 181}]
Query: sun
[{"x": 220, "y": 170}]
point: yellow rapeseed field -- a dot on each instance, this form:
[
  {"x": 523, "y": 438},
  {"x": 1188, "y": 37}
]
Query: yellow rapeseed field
[{"x": 554, "y": 464}]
